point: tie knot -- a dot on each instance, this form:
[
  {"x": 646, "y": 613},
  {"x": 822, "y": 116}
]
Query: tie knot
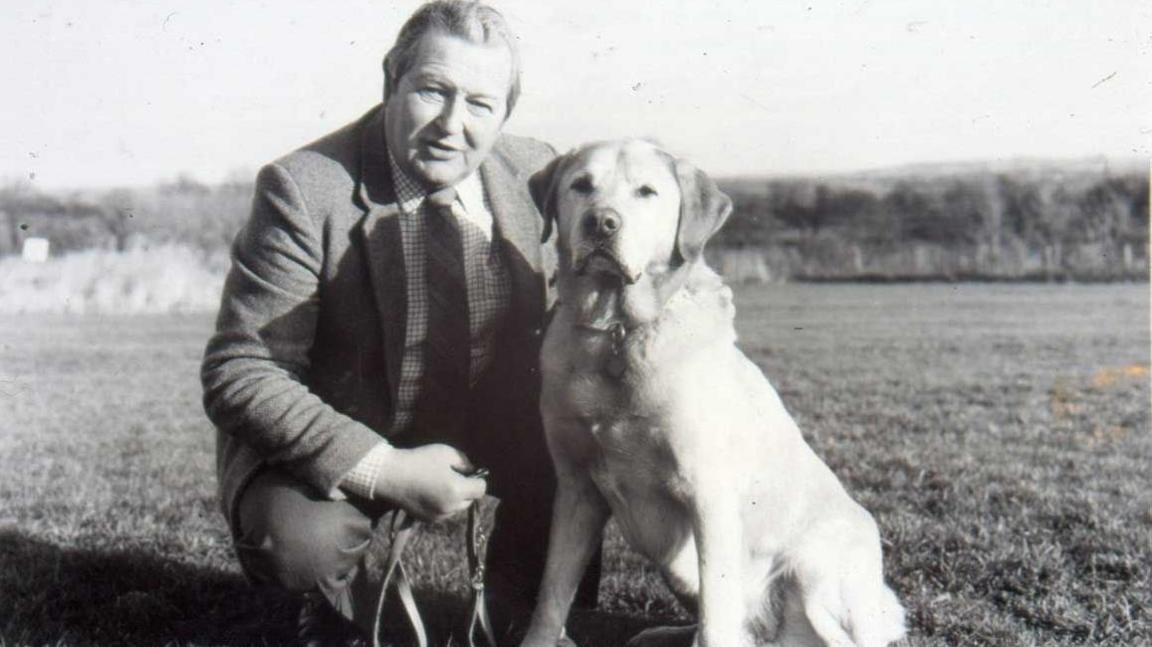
[{"x": 442, "y": 198}]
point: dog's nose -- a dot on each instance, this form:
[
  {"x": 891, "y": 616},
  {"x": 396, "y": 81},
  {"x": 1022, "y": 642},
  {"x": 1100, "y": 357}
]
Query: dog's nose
[{"x": 602, "y": 223}]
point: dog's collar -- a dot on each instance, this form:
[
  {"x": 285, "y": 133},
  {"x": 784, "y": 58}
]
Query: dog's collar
[{"x": 617, "y": 331}]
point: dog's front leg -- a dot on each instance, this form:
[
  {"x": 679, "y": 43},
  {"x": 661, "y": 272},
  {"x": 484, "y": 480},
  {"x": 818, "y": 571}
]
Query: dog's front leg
[
  {"x": 578, "y": 517},
  {"x": 720, "y": 548}
]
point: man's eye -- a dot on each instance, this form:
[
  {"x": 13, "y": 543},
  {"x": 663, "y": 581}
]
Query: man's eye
[
  {"x": 582, "y": 184},
  {"x": 430, "y": 93},
  {"x": 645, "y": 191},
  {"x": 481, "y": 107}
]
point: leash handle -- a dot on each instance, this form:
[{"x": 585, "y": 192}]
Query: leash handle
[
  {"x": 401, "y": 532},
  {"x": 402, "y": 529}
]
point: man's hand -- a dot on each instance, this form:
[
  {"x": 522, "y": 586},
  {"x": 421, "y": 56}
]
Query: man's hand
[{"x": 429, "y": 481}]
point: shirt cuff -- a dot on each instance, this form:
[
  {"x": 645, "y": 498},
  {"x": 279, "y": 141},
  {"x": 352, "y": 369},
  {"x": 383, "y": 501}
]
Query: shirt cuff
[{"x": 361, "y": 479}]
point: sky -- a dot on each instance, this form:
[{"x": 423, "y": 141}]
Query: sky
[{"x": 127, "y": 92}]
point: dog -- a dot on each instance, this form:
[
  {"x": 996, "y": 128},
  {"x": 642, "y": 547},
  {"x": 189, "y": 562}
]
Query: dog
[{"x": 653, "y": 416}]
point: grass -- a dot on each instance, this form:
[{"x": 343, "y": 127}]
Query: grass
[{"x": 1000, "y": 434}]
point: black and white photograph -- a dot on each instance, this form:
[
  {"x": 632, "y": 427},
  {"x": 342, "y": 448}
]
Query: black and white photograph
[{"x": 508, "y": 323}]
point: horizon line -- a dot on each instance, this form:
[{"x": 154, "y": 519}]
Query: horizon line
[{"x": 1123, "y": 163}]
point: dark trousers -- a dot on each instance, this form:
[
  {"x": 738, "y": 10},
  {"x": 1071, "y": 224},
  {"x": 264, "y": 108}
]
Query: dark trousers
[{"x": 294, "y": 537}]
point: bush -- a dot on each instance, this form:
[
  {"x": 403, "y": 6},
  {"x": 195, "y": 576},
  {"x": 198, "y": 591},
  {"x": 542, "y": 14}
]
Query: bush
[
  {"x": 1049, "y": 223},
  {"x": 168, "y": 278}
]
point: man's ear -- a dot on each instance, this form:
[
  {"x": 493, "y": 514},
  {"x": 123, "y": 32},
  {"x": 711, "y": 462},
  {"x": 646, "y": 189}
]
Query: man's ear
[
  {"x": 703, "y": 210},
  {"x": 542, "y": 186}
]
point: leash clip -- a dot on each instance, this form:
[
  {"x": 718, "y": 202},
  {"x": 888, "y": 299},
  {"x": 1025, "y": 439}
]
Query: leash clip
[
  {"x": 617, "y": 332},
  {"x": 615, "y": 366},
  {"x": 477, "y": 548}
]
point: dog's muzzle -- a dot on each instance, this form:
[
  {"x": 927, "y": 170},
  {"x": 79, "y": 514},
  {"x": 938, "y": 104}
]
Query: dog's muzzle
[
  {"x": 600, "y": 226},
  {"x": 602, "y": 259},
  {"x": 601, "y": 223}
]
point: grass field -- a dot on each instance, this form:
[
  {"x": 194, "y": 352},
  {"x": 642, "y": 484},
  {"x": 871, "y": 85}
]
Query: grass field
[{"x": 1000, "y": 434}]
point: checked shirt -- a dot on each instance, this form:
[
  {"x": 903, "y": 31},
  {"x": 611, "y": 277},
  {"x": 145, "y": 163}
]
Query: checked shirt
[{"x": 489, "y": 293}]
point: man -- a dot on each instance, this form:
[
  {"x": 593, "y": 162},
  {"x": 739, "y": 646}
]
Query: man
[{"x": 379, "y": 330}]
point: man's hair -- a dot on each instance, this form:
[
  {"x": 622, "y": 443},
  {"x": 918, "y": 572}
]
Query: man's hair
[{"x": 468, "y": 19}]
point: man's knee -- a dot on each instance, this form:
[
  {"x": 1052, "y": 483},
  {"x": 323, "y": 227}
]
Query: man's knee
[{"x": 292, "y": 537}]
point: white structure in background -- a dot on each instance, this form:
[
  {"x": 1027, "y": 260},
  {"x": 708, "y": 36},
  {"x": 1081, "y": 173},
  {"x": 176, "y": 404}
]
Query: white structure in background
[{"x": 35, "y": 250}]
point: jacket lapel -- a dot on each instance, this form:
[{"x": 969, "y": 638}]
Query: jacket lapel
[
  {"x": 518, "y": 229},
  {"x": 381, "y": 242}
]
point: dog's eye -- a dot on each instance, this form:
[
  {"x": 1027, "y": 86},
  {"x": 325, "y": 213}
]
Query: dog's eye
[
  {"x": 582, "y": 184},
  {"x": 645, "y": 191}
]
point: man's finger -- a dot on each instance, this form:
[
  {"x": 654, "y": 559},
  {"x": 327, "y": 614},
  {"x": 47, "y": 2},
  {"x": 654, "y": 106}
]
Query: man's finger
[
  {"x": 474, "y": 488},
  {"x": 471, "y": 471}
]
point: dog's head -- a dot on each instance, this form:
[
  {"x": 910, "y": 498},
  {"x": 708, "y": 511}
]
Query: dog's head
[{"x": 627, "y": 208}]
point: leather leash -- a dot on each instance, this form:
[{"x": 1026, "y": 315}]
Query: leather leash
[
  {"x": 403, "y": 527},
  {"x": 477, "y": 546}
]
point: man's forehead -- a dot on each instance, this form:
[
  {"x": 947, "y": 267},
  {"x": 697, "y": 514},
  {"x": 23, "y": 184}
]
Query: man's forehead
[{"x": 440, "y": 53}]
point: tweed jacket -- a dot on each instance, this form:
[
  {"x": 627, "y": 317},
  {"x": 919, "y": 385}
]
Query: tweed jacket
[{"x": 304, "y": 365}]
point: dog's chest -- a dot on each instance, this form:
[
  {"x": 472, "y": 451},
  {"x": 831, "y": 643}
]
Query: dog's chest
[
  {"x": 636, "y": 469},
  {"x": 624, "y": 421},
  {"x": 626, "y": 415},
  {"x": 612, "y": 382}
]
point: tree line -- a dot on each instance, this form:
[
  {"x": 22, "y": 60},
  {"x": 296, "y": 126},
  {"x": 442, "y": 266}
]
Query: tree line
[
  {"x": 1045, "y": 224},
  {"x": 184, "y": 211},
  {"x": 1049, "y": 224}
]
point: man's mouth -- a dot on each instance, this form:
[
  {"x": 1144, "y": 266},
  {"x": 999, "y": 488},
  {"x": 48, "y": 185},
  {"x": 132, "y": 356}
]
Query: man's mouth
[
  {"x": 603, "y": 260},
  {"x": 439, "y": 150}
]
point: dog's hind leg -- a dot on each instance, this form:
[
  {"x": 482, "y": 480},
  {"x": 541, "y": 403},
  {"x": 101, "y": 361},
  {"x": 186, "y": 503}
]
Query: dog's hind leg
[
  {"x": 825, "y": 623},
  {"x": 790, "y": 626},
  {"x": 876, "y": 618}
]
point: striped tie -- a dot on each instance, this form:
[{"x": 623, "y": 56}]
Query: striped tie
[{"x": 439, "y": 409}]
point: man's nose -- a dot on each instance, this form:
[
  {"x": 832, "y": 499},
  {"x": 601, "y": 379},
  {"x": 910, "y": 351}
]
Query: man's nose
[
  {"x": 452, "y": 116},
  {"x": 602, "y": 223}
]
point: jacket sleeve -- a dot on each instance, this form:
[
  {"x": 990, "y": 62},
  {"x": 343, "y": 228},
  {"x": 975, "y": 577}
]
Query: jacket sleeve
[{"x": 256, "y": 365}]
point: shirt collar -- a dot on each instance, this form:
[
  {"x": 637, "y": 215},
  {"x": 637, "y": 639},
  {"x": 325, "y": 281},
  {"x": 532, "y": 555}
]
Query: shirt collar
[{"x": 410, "y": 195}]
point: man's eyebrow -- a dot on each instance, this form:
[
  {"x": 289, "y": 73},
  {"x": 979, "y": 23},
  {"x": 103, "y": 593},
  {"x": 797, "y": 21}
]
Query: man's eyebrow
[{"x": 426, "y": 76}]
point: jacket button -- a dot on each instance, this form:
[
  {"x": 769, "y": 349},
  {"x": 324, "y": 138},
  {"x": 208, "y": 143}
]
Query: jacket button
[{"x": 536, "y": 332}]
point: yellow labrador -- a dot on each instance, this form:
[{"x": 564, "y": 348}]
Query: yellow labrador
[{"x": 653, "y": 415}]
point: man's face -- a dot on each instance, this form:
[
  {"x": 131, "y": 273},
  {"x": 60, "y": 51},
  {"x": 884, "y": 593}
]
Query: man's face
[{"x": 446, "y": 112}]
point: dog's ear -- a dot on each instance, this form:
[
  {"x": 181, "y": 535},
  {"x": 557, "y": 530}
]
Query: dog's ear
[
  {"x": 542, "y": 186},
  {"x": 703, "y": 210}
]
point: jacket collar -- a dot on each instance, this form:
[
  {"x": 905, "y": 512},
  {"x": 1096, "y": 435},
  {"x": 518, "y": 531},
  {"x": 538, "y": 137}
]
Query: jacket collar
[{"x": 505, "y": 185}]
